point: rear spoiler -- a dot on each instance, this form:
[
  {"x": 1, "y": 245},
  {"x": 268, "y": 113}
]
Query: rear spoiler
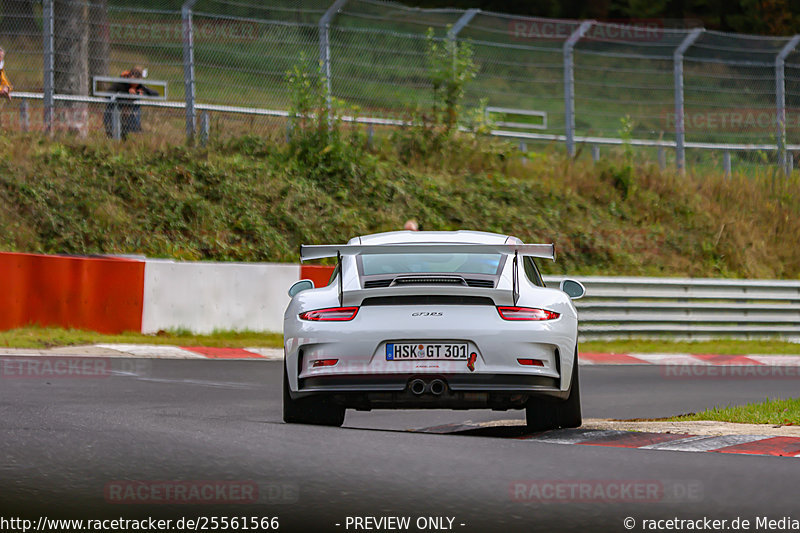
[{"x": 545, "y": 251}]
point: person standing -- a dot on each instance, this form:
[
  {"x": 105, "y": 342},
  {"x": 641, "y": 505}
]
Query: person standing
[
  {"x": 411, "y": 225},
  {"x": 5, "y": 85},
  {"x": 130, "y": 113}
]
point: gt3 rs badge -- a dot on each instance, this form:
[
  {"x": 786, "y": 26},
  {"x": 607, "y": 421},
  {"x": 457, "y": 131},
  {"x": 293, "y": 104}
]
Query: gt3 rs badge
[{"x": 471, "y": 362}]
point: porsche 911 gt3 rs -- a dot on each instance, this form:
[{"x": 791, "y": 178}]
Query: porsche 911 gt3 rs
[{"x": 451, "y": 320}]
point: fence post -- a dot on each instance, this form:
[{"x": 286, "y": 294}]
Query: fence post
[
  {"x": 24, "y": 119},
  {"x": 677, "y": 58},
  {"x": 726, "y": 163},
  {"x": 595, "y": 153},
  {"x": 456, "y": 28},
  {"x": 780, "y": 100},
  {"x": 325, "y": 46},
  {"x": 662, "y": 158},
  {"x": 116, "y": 122},
  {"x": 204, "y": 128},
  {"x": 47, "y": 36},
  {"x": 188, "y": 67},
  {"x": 569, "y": 84}
]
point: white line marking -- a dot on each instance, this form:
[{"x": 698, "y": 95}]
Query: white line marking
[
  {"x": 447, "y": 428},
  {"x": 669, "y": 359},
  {"x": 153, "y": 350},
  {"x": 776, "y": 360},
  {"x": 273, "y": 354},
  {"x": 704, "y": 443},
  {"x": 574, "y": 436}
]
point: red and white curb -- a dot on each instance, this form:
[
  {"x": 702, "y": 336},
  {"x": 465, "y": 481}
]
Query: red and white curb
[
  {"x": 684, "y": 359},
  {"x": 734, "y": 444},
  {"x": 150, "y": 351},
  {"x": 162, "y": 351},
  {"x": 193, "y": 352},
  {"x": 739, "y": 444}
]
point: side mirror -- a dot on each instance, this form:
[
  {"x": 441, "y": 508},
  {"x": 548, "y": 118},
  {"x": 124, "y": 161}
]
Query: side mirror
[
  {"x": 300, "y": 286},
  {"x": 574, "y": 289}
]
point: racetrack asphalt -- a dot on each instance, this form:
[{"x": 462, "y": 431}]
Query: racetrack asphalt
[{"x": 66, "y": 441}]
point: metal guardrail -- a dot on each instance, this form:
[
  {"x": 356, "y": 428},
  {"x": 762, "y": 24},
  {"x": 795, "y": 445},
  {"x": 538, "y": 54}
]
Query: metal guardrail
[
  {"x": 98, "y": 81},
  {"x": 620, "y": 307},
  {"x": 542, "y": 115},
  {"x": 520, "y": 135}
]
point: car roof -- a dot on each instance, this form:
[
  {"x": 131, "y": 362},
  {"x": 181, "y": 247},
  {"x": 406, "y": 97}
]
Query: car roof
[{"x": 408, "y": 237}]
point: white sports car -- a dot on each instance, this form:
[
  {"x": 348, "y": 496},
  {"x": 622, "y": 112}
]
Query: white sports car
[{"x": 452, "y": 320}]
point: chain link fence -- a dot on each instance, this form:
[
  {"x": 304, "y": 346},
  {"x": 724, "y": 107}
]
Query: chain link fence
[{"x": 672, "y": 89}]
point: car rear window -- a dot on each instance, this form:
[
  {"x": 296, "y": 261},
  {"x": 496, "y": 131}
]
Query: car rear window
[{"x": 430, "y": 263}]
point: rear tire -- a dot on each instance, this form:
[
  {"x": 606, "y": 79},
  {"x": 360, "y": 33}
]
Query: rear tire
[
  {"x": 570, "y": 410},
  {"x": 316, "y": 410},
  {"x": 542, "y": 414}
]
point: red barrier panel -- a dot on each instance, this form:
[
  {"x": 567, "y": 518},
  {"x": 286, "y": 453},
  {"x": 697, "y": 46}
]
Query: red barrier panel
[
  {"x": 100, "y": 294},
  {"x": 320, "y": 275}
]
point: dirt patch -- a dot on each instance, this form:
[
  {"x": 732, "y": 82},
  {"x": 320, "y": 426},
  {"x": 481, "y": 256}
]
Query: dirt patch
[{"x": 704, "y": 427}]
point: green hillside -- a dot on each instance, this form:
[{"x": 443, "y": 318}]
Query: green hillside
[{"x": 257, "y": 199}]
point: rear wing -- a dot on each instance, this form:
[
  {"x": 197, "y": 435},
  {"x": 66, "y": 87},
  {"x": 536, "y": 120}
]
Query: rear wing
[{"x": 545, "y": 251}]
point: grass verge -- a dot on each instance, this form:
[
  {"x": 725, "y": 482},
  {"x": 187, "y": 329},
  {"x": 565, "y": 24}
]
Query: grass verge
[
  {"x": 42, "y": 337},
  {"x": 258, "y": 199},
  {"x": 785, "y": 412},
  {"x": 37, "y": 337}
]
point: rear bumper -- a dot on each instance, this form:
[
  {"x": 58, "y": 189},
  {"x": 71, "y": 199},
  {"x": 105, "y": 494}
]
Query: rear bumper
[
  {"x": 455, "y": 383},
  {"x": 359, "y": 348},
  {"x": 462, "y": 391}
]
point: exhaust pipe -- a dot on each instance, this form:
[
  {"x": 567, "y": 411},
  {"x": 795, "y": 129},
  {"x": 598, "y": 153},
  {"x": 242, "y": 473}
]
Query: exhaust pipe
[
  {"x": 417, "y": 386},
  {"x": 437, "y": 387}
]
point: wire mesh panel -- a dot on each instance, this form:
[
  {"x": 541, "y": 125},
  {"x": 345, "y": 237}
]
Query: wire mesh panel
[
  {"x": 378, "y": 55},
  {"x": 624, "y": 80},
  {"x": 729, "y": 87},
  {"x": 623, "y": 73},
  {"x": 243, "y": 51},
  {"x": 520, "y": 63},
  {"x": 21, "y": 34},
  {"x": 792, "y": 84},
  {"x": 141, "y": 39},
  {"x": 148, "y": 37}
]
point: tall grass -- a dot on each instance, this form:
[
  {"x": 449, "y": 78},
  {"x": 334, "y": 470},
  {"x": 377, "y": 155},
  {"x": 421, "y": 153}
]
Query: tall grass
[{"x": 253, "y": 198}]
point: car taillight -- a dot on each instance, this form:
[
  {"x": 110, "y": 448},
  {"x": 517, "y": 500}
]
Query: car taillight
[
  {"x": 338, "y": 314},
  {"x": 324, "y": 362},
  {"x": 526, "y": 313}
]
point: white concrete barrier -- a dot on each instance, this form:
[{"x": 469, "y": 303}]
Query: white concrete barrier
[{"x": 204, "y": 296}]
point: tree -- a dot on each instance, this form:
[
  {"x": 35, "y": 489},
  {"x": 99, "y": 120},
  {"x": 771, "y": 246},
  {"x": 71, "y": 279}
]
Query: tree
[
  {"x": 99, "y": 52},
  {"x": 71, "y": 60},
  {"x": 17, "y": 17},
  {"x": 450, "y": 68}
]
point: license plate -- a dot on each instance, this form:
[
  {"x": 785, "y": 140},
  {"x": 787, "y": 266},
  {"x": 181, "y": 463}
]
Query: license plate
[{"x": 426, "y": 351}]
